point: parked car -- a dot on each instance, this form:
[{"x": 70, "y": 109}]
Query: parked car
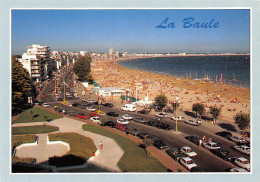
[
  {"x": 197, "y": 169},
  {"x": 135, "y": 133},
  {"x": 44, "y": 95},
  {"x": 72, "y": 113},
  {"x": 224, "y": 154},
  {"x": 60, "y": 99},
  {"x": 237, "y": 170},
  {"x": 127, "y": 117},
  {"x": 175, "y": 154},
  {"x": 92, "y": 109},
  {"x": 94, "y": 114},
  {"x": 45, "y": 105},
  {"x": 193, "y": 122},
  {"x": 76, "y": 105},
  {"x": 225, "y": 134},
  {"x": 122, "y": 121},
  {"x": 211, "y": 145},
  {"x": 113, "y": 114},
  {"x": 178, "y": 118},
  {"x": 164, "y": 126},
  {"x": 139, "y": 120},
  {"x": 194, "y": 139},
  {"x": 142, "y": 135},
  {"x": 144, "y": 111},
  {"x": 111, "y": 124},
  {"x": 243, "y": 149},
  {"x": 82, "y": 116},
  {"x": 159, "y": 144},
  {"x": 120, "y": 126},
  {"x": 188, "y": 151},
  {"x": 95, "y": 120},
  {"x": 129, "y": 129},
  {"x": 237, "y": 139},
  {"x": 161, "y": 115},
  {"x": 91, "y": 101},
  {"x": 242, "y": 162},
  {"x": 187, "y": 163},
  {"x": 152, "y": 123},
  {"x": 108, "y": 104}
]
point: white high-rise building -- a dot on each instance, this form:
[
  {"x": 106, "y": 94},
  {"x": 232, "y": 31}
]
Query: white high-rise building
[
  {"x": 111, "y": 51},
  {"x": 37, "y": 61}
]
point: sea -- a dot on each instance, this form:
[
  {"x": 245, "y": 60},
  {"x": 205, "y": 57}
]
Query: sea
[{"x": 234, "y": 70}]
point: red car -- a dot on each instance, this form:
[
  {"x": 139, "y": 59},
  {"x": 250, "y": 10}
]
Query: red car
[
  {"x": 120, "y": 126},
  {"x": 93, "y": 114},
  {"x": 82, "y": 116},
  {"x": 44, "y": 95}
]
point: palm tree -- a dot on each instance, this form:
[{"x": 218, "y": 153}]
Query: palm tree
[
  {"x": 198, "y": 108},
  {"x": 215, "y": 112}
]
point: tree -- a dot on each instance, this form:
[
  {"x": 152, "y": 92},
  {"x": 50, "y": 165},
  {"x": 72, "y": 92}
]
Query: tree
[
  {"x": 175, "y": 106},
  {"x": 161, "y": 101},
  {"x": 198, "y": 108},
  {"x": 21, "y": 86},
  {"x": 215, "y": 112},
  {"x": 82, "y": 67},
  {"x": 242, "y": 120}
]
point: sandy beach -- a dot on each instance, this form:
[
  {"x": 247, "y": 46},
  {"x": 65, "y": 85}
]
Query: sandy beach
[{"x": 232, "y": 99}]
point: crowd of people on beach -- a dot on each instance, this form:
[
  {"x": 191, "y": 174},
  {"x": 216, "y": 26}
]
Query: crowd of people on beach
[{"x": 108, "y": 73}]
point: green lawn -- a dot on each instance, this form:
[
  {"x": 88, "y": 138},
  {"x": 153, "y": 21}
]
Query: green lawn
[
  {"x": 80, "y": 146},
  {"x": 18, "y": 140},
  {"x": 36, "y": 115},
  {"x": 25, "y": 130},
  {"x": 135, "y": 158}
]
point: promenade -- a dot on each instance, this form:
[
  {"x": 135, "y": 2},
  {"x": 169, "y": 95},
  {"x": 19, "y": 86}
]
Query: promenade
[{"x": 107, "y": 158}]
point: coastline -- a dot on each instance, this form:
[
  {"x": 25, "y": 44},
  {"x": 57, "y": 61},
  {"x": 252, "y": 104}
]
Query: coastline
[{"x": 230, "y": 98}]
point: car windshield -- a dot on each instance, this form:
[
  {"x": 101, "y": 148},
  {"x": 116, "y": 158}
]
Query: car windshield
[
  {"x": 245, "y": 162},
  {"x": 190, "y": 162},
  {"x": 188, "y": 150}
]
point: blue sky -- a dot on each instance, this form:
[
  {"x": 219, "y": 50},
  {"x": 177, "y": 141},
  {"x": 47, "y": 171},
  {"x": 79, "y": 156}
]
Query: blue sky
[{"x": 131, "y": 30}]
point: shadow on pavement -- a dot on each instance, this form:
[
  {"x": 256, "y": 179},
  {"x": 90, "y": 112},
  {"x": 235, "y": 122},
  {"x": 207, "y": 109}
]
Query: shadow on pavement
[
  {"x": 228, "y": 127},
  {"x": 67, "y": 160}
]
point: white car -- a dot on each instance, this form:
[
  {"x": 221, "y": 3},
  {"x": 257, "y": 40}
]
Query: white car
[
  {"x": 211, "y": 145},
  {"x": 238, "y": 170},
  {"x": 45, "y": 105},
  {"x": 242, "y": 162},
  {"x": 179, "y": 118},
  {"x": 243, "y": 149},
  {"x": 91, "y": 109},
  {"x": 122, "y": 121},
  {"x": 95, "y": 120},
  {"x": 237, "y": 139},
  {"x": 193, "y": 122},
  {"x": 91, "y": 101},
  {"x": 188, "y": 151},
  {"x": 187, "y": 163},
  {"x": 127, "y": 117},
  {"x": 161, "y": 115}
]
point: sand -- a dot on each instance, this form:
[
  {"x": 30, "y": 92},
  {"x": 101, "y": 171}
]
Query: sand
[{"x": 232, "y": 99}]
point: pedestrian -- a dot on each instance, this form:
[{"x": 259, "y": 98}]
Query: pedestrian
[
  {"x": 93, "y": 154},
  {"x": 101, "y": 145},
  {"x": 200, "y": 142}
]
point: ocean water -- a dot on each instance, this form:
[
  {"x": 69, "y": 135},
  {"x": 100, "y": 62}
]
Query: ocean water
[{"x": 235, "y": 70}]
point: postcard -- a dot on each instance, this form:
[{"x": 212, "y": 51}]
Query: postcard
[{"x": 158, "y": 92}]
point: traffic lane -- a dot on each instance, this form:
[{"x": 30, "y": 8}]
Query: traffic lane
[{"x": 204, "y": 158}]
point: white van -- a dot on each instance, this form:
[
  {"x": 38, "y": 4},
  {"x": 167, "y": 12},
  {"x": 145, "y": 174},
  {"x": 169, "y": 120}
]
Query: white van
[{"x": 129, "y": 107}]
